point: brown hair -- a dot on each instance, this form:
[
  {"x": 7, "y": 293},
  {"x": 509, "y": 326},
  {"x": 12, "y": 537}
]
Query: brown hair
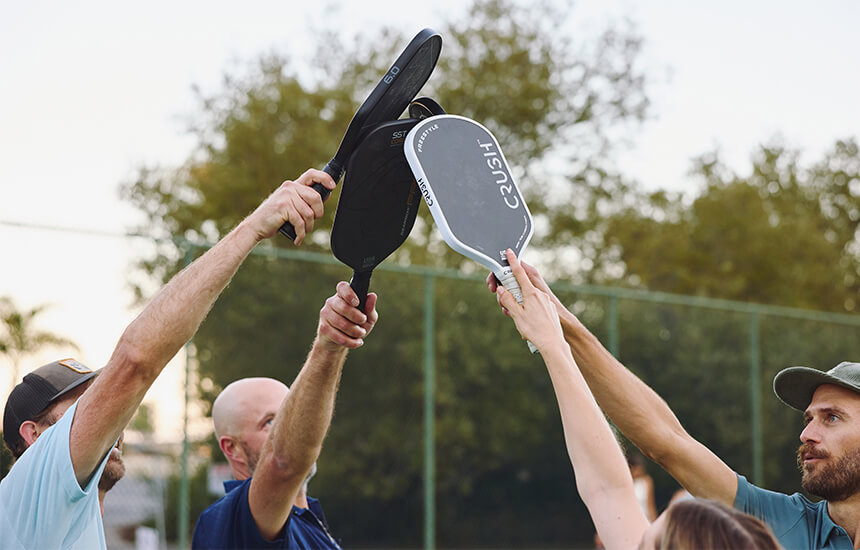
[{"x": 697, "y": 523}]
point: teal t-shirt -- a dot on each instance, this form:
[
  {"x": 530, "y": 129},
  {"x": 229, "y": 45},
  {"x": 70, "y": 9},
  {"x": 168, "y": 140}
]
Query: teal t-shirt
[
  {"x": 797, "y": 522},
  {"x": 41, "y": 503}
]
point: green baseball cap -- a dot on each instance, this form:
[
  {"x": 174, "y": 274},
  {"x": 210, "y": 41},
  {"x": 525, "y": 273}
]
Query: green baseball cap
[{"x": 795, "y": 385}]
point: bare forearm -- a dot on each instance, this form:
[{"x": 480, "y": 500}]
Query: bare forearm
[
  {"x": 637, "y": 410},
  {"x": 149, "y": 342},
  {"x": 593, "y": 449},
  {"x": 646, "y": 419},
  {"x": 602, "y": 476},
  {"x": 304, "y": 419},
  {"x": 175, "y": 313}
]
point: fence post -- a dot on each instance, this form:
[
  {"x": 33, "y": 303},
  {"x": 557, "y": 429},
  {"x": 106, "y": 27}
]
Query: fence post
[
  {"x": 429, "y": 415},
  {"x": 755, "y": 398},
  {"x": 612, "y": 320},
  {"x": 183, "y": 508}
]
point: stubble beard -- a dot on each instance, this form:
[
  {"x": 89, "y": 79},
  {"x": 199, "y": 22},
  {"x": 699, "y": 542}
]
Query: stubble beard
[
  {"x": 113, "y": 472},
  {"x": 252, "y": 456},
  {"x": 833, "y": 480}
]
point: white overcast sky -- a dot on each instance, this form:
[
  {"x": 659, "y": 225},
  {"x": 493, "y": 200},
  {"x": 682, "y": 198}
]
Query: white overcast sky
[{"x": 90, "y": 90}]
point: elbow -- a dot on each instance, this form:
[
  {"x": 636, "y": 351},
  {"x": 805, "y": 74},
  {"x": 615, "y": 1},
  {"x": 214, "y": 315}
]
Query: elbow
[
  {"x": 132, "y": 361},
  {"x": 290, "y": 467},
  {"x": 598, "y": 493}
]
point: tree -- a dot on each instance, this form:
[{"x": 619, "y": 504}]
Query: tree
[
  {"x": 507, "y": 66},
  {"x": 21, "y": 338},
  {"x": 757, "y": 238}
]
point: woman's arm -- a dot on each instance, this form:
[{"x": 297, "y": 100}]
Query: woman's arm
[{"x": 602, "y": 475}]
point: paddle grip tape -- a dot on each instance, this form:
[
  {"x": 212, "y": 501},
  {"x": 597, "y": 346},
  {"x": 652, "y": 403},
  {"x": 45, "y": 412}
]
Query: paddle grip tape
[
  {"x": 334, "y": 170},
  {"x": 360, "y": 283},
  {"x": 509, "y": 281}
]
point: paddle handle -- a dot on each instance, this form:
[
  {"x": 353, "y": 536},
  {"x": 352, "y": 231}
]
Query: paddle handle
[
  {"x": 509, "y": 281},
  {"x": 333, "y": 169},
  {"x": 360, "y": 283}
]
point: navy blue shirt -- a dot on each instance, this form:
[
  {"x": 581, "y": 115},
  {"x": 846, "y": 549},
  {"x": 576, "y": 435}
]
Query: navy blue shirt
[
  {"x": 796, "y": 521},
  {"x": 229, "y": 524}
]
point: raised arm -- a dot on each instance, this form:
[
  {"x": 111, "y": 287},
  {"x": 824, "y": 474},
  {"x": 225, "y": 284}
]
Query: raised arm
[
  {"x": 172, "y": 318},
  {"x": 297, "y": 434},
  {"x": 641, "y": 414},
  {"x": 602, "y": 475}
]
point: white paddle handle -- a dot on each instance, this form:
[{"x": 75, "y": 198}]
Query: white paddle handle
[{"x": 509, "y": 281}]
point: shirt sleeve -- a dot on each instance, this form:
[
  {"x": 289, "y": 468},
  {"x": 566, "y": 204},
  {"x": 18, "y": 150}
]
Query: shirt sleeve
[
  {"x": 781, "y": 512},
  {"x": 41, "y": 497}
]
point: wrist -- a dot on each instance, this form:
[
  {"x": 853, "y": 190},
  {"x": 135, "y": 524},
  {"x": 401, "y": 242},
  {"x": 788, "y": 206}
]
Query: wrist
[
  {"x": 246, "y": 231},
  {"x": 555, "y": 349},
  {"x": 326, "y": 348},
  {"x": 572, "y": 328}
]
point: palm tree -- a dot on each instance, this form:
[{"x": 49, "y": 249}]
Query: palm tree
[{"x": 19, "y": 336}]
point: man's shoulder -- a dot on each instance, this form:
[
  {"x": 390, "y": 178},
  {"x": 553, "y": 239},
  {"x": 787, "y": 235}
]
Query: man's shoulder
[
  {"x": 41, "y": 500},
  {"x": 218, "y": 523},
  {"x": 749, "y": 493},
  {"x": 45, "y": 466},
  {"x": 796, "y": 521},
  {"x": 227, "y": 504},
  {"x": 228, "y": 523}
]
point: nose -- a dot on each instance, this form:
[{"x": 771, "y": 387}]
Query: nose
[{"x": 810, "y": 433}]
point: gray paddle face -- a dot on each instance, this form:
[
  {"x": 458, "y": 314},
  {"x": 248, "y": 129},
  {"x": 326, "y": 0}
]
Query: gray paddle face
[{"x": 468, "y": 186}]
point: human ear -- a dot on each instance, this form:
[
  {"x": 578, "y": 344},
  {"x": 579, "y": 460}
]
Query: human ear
[
  {"x": 29, "y": 431},
  {"x": 232, "y": 451}
]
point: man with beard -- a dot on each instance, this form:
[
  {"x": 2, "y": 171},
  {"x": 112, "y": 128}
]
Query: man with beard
[
  {"x": 272, "y": 436},
  {"x": 39, "y": 401},
  {"x": 52, "y": 495},
  {"x": 829, "y": 456}
]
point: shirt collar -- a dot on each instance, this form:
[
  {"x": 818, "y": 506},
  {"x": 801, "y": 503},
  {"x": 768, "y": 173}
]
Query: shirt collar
[
  {"x": 313, "y": 503},
  {"x": 231, "y": 484},
  {"x": 827, "y": 525}
]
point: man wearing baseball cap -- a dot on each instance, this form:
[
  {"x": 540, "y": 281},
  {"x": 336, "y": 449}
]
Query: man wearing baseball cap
[
  {"x": 829, "y": 456},
  {"x": 63, "y": 422}
]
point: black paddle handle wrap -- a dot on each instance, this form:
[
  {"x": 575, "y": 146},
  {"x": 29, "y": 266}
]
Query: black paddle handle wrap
[
  {"x": 333, "y": 169},
  {"x": 360, "y": 283}
]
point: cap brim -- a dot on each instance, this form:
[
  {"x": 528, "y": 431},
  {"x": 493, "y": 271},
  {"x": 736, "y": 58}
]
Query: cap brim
[
  {"x": 795, "y": 386},
  {"x": 76, "y": 383}
]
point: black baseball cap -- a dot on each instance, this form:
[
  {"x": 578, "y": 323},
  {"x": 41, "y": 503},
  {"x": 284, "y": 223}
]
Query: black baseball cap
[
  {"x": 795, "y": 385},
  {"x": 38, "y": 390}
]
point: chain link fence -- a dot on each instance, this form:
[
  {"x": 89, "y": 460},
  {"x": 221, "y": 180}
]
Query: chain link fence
[{"x": 446, "y": 432}]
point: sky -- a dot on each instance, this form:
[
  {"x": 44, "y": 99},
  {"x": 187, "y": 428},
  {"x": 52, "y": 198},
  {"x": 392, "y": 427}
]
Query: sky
[{"x": 92, "y": 90}]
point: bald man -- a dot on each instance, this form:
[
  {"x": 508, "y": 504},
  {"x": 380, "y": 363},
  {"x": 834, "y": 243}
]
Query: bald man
[{"x": 272, "y": 436}]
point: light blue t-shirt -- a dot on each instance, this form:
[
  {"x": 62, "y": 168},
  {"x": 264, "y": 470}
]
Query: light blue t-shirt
[
  {"x": 41, "y": 503},
  {"x": 796, "y": 521}
]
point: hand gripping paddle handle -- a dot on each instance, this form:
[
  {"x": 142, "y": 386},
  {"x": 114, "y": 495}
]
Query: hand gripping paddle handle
[
  {"x": 333, "y": 169},
  {"x": 509, "y": 281},
  {"x": 360, "y": 283}
]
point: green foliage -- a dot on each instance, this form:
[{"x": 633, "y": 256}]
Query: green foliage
[
  {"x": 507, "y": 67},
  {"x": 558, "y": 107},
  {"x": 755, "y": 238}
]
